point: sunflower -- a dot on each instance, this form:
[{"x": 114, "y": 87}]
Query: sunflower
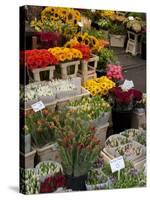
[
  {"x": 86, "y": 41},
  {"x": 79, "y": 38}
]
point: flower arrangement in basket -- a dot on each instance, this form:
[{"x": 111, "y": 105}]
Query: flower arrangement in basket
[
  {"x": 78, "y": 148},
  {"x": 99, "y": 86},
  {"x": 40, "y": 126},
  {"x": 65, "y": 54}
]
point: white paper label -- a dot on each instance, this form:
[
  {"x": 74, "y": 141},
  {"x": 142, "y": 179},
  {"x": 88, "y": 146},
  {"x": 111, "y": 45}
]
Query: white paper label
[
  {"x": 117, "y": 164},
  {"x": 80, "y": 24},
  {"x": 38, "y": 106},
  {"x": 127, "y": 85},
  {"x": 131, "y": 18}
]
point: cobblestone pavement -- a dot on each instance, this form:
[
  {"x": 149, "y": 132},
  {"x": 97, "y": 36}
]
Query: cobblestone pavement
[{"x": 134, "y": 68}]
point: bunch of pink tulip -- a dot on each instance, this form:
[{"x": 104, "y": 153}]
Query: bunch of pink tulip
[{"x": 114, "y": 72}]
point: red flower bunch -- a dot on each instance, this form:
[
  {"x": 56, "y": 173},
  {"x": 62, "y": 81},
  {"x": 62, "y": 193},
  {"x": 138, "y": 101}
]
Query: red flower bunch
[
  {"x": 85, "y": 50},
  {"x": 114, "y": 72},
  {"x": 125, "y": 97},
  {"x": 50, "y": 184},
  {"x": 39, "y": 58}
]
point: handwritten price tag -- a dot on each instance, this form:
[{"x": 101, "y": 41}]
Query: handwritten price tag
[
  {"x": 117, "y": 164},
  {"x": 38, "y": 106}
]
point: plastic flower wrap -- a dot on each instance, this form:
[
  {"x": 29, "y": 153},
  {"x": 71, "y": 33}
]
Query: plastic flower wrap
[
  {"x": 39, "y": 58},
  {"x": 99, "y": 86},
  {"x": 65, "y": 54},
  {"x": 114, "y": 72}
]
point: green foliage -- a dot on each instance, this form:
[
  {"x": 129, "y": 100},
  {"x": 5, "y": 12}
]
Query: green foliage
[
  {"x": 78, "y": 146},
  {"x": 106, "y": 56},
  {"x": 40, "y": 126},
  {"x": 99, "y": 34},
  {"x": 104, "y": 23},
  {"x": 118, "y": 29}
]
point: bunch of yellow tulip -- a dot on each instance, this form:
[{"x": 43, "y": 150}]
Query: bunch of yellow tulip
[
  {"x": 99, "y": 86},
  {"x": 65, "y": 54}
]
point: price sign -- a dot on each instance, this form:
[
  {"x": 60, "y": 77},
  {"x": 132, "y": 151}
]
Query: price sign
[
  {"x": 117, "y": 164},
  {"x": 80, "y": 24},
  {"x": 127, "y": 85},
  {"x": 38, "y": 106}
]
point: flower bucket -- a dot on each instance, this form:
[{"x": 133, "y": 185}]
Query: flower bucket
[
  {"x": 138, "y": 118},
  {"x": 76, "y": 183},
  {"x": 121, "y": 120}
]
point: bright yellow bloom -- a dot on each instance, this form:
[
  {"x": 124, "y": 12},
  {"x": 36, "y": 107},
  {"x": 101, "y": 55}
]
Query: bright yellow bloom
[
  {"x": 64, "y": 54},
  {"x": 99, "y": 86}
]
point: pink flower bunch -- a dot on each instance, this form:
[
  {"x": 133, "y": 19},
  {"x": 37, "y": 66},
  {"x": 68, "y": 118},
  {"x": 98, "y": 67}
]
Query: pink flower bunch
[{"x": 114, "y": 72}]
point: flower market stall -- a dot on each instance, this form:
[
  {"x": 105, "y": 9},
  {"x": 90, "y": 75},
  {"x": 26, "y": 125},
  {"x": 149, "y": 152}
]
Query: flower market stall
[{"x": 79, "y": 113}]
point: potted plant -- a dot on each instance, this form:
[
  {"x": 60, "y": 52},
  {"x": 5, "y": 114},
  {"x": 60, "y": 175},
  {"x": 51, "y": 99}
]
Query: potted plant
[
  {"x": 123, "y": 102},
  {"x": 78, "y": 148},
  {"x": 106, "y": 56},
  {"x": 117, "y": 35}
]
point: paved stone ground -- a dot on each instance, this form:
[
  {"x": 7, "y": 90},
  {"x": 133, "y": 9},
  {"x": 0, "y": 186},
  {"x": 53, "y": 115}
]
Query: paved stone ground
[{"x": 134, "y": 68}]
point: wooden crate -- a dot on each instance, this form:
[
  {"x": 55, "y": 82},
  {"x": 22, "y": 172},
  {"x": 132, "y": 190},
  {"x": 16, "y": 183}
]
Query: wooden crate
[
  {"x": 36, "y": 72},
  {"x": 69, "y": 69},
  {"x": 117, "y": 40},
  {"x": 27, "y": 160},
  {"x": 87, "y": 70}
]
